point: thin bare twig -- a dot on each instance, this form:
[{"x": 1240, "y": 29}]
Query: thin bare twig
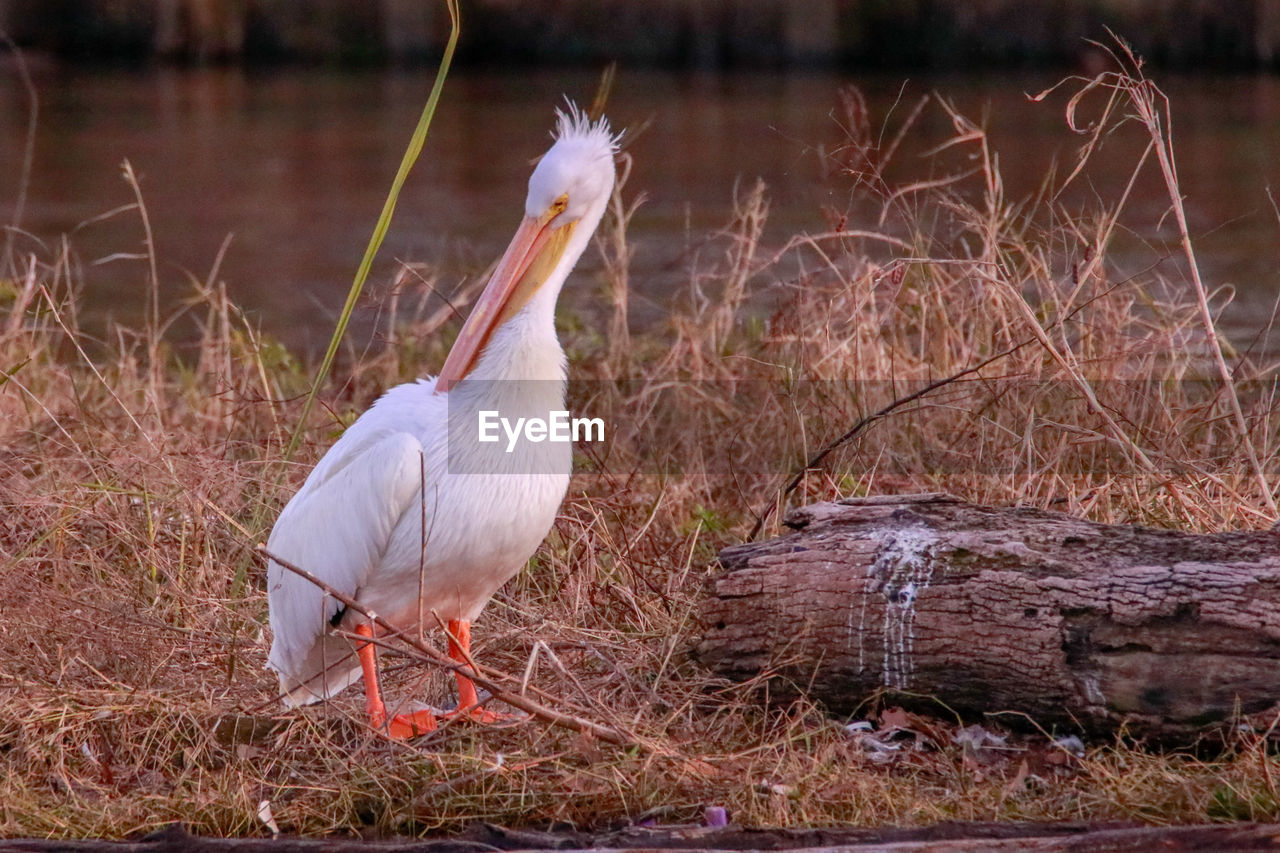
[{"x": 818, "y": 458}]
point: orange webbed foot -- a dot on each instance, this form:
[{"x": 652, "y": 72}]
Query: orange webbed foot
[
  {"x": 408, "y": 726},
  {"x": 483, "y": 716}
]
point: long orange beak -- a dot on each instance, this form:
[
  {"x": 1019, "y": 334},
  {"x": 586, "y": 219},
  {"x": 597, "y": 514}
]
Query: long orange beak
[{"x": 534, "y": 251}]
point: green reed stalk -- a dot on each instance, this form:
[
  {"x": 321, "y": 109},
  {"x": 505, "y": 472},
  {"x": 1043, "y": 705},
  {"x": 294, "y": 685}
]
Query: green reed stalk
[{"x": 379, "y": 231}]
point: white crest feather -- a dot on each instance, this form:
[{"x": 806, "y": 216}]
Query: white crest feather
[{"x": 573, "y": 123}]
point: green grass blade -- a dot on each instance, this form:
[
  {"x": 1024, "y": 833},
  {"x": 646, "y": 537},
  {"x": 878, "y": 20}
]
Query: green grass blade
[
  {"x": 6, "y": 374},
  {"x": 379, "y": 232}
]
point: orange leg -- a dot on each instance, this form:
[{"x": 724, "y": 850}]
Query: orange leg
[
  {"x": 402, "y": 726},
  {"x": 468, "y": 699}
]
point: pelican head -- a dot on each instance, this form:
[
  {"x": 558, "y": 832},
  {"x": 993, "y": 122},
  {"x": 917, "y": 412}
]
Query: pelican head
[{"x": 568, "y": 192}]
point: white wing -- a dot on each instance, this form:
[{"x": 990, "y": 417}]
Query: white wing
[{"x": 337, "y": 527}]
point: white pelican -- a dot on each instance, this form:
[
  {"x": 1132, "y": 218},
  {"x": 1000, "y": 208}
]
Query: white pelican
[{"x": 357, "y": 522}]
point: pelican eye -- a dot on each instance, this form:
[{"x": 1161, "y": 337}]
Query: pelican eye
[{"x": 558, "y": 206}]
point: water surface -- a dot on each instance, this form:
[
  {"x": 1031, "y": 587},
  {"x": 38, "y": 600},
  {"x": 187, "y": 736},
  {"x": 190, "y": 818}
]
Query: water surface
[{"x": 289, "y": 171}]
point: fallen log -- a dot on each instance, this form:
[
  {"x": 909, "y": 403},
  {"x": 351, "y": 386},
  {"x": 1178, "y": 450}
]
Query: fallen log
[{"x": 1072, "y": 623}]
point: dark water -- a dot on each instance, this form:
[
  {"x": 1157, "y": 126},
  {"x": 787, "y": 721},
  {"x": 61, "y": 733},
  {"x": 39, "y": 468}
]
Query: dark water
[{"x": 293, "y": 167}]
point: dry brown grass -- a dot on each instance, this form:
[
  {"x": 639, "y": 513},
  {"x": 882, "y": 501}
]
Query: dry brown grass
[{"x": 135, "y": 483}]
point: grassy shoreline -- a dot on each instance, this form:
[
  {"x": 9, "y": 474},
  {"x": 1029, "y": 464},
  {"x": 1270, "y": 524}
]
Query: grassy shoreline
[{"x": 134, "y": 485}]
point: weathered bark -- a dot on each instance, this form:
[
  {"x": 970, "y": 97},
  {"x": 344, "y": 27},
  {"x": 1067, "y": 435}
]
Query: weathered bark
[{"x": 1069, "y": 622}]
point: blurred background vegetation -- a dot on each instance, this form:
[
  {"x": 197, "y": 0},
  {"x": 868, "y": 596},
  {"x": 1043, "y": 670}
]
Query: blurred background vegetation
[{"x": 936, "y": 34}]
